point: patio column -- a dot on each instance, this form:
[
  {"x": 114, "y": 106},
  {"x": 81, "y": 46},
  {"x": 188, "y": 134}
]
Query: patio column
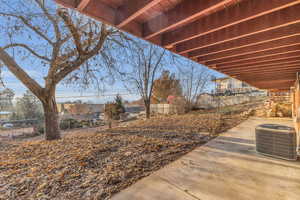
[
  {"x": 296, "y": 109},
  {"x": 292, "y": 92}
]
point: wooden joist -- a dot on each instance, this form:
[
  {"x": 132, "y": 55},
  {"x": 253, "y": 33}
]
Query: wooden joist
[
  {"x": 257, "y": 41},
  {"x": 241, "y": 12}
]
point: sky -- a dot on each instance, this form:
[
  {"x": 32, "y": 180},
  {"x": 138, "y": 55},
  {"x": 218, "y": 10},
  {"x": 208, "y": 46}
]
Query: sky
[{"x": 64, "y": 92}]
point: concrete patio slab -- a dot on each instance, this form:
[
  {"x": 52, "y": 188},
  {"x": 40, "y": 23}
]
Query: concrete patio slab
[{"x": 226, "y": 168}]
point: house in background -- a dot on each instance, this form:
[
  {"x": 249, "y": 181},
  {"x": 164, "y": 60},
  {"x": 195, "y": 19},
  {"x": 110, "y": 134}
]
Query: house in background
[
  {"x": 5, "y": 115},
  {"x": 80, "y": 111},
  {"x": 229, "y": 86},
  {"x": 228, "y": 92}
]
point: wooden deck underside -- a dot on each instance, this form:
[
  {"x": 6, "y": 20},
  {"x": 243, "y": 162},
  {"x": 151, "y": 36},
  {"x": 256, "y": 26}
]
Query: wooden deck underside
[{"x": 257, "y": 41}]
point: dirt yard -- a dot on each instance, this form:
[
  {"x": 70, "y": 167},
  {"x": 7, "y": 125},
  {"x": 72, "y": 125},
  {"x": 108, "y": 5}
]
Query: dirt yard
[
  {"x": 10, "y": 133},
  {"x": 95, "y": 165}
]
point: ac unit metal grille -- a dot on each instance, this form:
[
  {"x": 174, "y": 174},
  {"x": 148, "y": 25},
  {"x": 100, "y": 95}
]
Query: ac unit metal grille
[{"x": 277, "y": 141}]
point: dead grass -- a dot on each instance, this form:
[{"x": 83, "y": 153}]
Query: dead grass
[{"x": 97, "y": 165}]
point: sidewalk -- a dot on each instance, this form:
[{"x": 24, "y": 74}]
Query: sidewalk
[{"x": 227, "y": 168}]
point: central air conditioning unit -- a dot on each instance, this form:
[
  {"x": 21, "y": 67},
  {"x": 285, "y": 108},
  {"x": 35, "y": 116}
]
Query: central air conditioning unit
[{"x": 277, "y": 141}]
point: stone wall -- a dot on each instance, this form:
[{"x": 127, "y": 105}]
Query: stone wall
[{"x": 275, "y": 107}]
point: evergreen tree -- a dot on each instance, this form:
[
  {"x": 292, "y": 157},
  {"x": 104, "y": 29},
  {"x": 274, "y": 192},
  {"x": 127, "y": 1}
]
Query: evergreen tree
[
  {"x": 119, "y": 104},
  {"x": 29, "y": 107}
]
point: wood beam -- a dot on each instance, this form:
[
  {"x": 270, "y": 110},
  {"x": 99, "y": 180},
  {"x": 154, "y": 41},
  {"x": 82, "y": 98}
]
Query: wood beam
[
  {"x": 275, "y": 44},
  {"x": 183, "y": 13},
  {"x": 83, "y": 4},
  {"x": 67, "y": 3},
  {"x": 278, "y": 84},
  {"x": 278, "y": 87},
  {"x": 246, "y": 10},
  {"x": 281, "y": 18},
  {"x": 260, "y": 38},
  {"x": 132, "y": 28},
  {"x": 269, "y": 73},
  {"x": 273, "y": 81},
  {"x": 274, "y": 84},
  {"x": 273, "y": 63},
  {"x": 257, "y": 61},
  {"x": 284, "y": 81},
  {"x": 276, "y": 76},
  {"x": 132, "y": 9},
  {"x": 281, "y": 70},
  {"x": 266, "y": 68},
  {"x": 92, "y": 8},
  {"x": 101, "y": 12},
  {"x": 255, "y": 55},
  {"x": 266, "y": 77}
]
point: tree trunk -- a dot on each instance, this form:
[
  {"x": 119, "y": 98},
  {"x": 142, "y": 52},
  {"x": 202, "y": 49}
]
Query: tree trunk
[
  {"x": 110, "y": 124},
  {"x": 52, "y": 131},
  {"x": 147, "y": 107}
]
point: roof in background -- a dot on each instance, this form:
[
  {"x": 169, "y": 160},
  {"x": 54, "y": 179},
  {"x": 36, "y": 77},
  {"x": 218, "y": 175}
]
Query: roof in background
[
  {"x": 221, "y": 79},
  {"x": 5, "y": 113}
]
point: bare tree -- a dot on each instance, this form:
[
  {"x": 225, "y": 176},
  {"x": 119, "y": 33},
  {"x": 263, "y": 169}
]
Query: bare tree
[
  {"x": 165, "y": 86},
  {"x": 60, "y": 42},
  {"x": 145, "y": 61},
  {"x": 194, "y": 80},
  {"x": 6, "y": 99}
]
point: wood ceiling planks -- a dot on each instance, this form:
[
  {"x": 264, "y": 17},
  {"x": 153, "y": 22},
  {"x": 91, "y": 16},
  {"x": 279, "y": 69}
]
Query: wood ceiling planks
[{"x": 236, "y": 37}]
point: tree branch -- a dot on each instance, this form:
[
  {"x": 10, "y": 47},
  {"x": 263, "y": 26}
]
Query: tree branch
[
  {"x": 56, "y": 60},
  {"x": 50, "y": 17},
  {"x": 27, "y": 23},
  {"x": 73, "y": 30},
  {"x": 9, "y": 62},
  {"x": 154, "y": 70},
  {"x": 28, "y": 49},
  {"x": 56, "y": 45},
  {"x": 68, "y": 67},
  {"x": 72, "y": 53}
]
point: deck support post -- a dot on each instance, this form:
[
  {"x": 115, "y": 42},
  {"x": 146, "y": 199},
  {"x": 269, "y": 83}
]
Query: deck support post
[{"x": 296, "y": 109}]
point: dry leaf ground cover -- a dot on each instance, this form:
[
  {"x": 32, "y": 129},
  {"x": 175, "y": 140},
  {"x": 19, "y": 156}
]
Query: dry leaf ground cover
[{"x": 97, "y": 165}]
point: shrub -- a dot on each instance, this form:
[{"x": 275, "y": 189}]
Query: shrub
[
  {"x": 111, "y": 111},
  {"x": 119, "y": 104},
  {"x": 180, "y": 105},
  {"x": 39, "y": 129},
  {"x": 69, "y": 124},
  {"x": 214, "y": 123},
  {"x": 114, "y": 110},
  {"x": 285, "y": 109}
]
